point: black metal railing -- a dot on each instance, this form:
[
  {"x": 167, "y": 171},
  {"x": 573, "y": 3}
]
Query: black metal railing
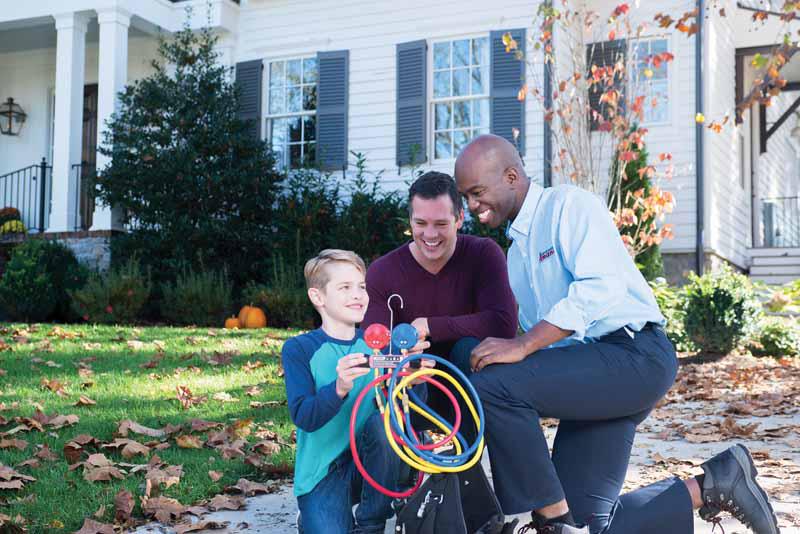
[
  {"x": 29, "y": 190},
  {"x": 781, "y": 221}
]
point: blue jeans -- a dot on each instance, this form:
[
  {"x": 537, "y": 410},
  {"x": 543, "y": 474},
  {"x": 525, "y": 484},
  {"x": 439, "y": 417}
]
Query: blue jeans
[
  {"x": 328, "y": 508},
  {"x": 600, "y": 392}
]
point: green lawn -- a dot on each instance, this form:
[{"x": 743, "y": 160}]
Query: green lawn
[{"x": 134, "y": 374}]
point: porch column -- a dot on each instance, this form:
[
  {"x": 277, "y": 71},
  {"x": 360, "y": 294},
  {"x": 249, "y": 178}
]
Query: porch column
[
  {"x": 68, "y": 128},
  {"x": 112, "y": 77}
]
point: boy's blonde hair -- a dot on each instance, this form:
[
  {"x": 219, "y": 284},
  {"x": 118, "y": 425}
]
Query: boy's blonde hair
[{"x": 316, "y": 274}]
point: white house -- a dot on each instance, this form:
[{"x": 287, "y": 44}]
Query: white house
[{"x": 396, "y": 81}]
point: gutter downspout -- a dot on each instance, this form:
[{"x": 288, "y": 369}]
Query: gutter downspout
[
  {"x": 698, "y": 141},
  {"x": 547, "y": 160}
]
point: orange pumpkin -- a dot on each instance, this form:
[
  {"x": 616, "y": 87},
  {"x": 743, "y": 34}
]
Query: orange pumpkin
[
  {"x": 243, "y": 315},
  {"x": 232, "y": 322},
  {"x": 255, "y": 318}
]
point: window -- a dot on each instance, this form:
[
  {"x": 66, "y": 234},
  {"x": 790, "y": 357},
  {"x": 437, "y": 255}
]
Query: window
[
  {"x": 460, "y": 94},
  {"x": 651, "y": 79},
  {"x": 291, "y": 112}
]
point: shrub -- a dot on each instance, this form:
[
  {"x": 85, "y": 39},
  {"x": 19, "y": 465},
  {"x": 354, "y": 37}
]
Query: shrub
[
  {"x": 285, "y": 307},
  {"x": 671, "y": 302},
  {"x": 776, "y": 337},
  {"x": 9, "y": 214},
  {"x": 36, "y": 280},
  {"x": 721, "y": 310},
  {"x": 197, "y": 298},
  {"x": 116, "y": 297}
]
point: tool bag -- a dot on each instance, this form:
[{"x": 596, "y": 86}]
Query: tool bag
[{"x": 450, "y": 503}]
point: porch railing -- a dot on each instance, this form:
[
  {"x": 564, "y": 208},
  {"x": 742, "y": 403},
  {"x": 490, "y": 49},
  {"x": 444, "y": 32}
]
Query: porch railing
[
  {"x": 781, "y": 221},
  {"x": 29, "y": 189}
]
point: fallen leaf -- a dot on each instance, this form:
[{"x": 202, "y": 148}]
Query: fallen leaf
[
  {"x": 215, "y": 475},
  {"x": 200, "y": 525},
  {"x": 225, "y": 502},
  {"x": 247, "y": 488},
  {"x": 130, "y": 426},
  {"x": 90, "y": 526},
  {"x": 19, "y": 444},
  {"x": 46, "y": 454},
  {"x": 267, "y": 447},
  {"x": 164, "y": 509},
  {"x": 83, "y": 400},
  {"x": 61, "y": 421},
  {"x": 123, "y": 506},
  {"x": 187, "y": 441},
  {"x": 224, "y": 397}
]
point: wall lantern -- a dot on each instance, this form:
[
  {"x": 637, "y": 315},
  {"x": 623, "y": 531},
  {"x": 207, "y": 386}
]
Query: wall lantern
[{"x": 11, "y": 117}]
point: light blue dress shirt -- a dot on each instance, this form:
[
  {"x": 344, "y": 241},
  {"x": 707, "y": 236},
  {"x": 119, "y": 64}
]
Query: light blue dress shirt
[{"x": 569, "y": 267}]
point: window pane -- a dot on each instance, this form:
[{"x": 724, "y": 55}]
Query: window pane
[
  {"x": 278, "y": 139},
  {"x": 480, "y": 112},
  {"x": 443, "y": 117},
  {"x": 293, "y": 72},
  {"x": 461, "y": 114},
  {"x": 460, "y": 140},
  {"x": 479, "y": 80},
  {"x": 295, "y": 156},
  {"x": 461, "y": 53},
  {"x": 443, "y": 150},
  {"x": 293, "y": 102},
  {"x": 441, "y": 55},
  {"x": 480, "y": 51},
  {"x": 441, "y": 84},
  {"x": 310, "y": 70},
  {"x": 658, "y": 91},
  {"x": 461, "y": 82},
  {"x": 310, "y": 152},
  {"x": 294, "y": 129},
  {"x": 276, "y": 74},
  {"x": 658, "y": 46},
  {"x": 310, "y": 128},
  {"x": 309, "y": 97},
  {"x": 276, "y": 104}
]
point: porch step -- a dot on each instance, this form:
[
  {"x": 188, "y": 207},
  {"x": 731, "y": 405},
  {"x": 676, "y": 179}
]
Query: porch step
[{"x": 775, "y": 265}]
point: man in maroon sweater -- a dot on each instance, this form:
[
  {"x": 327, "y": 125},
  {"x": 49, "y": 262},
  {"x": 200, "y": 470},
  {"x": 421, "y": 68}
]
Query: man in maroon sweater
[{"x": 455, "y": 287}]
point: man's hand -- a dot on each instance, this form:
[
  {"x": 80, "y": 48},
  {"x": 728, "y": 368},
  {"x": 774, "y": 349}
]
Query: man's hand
[
  {"x": 495, "y": 350},
  {"x": 347, "y": 371},
  {"x": 421, "y": 324},
  {"x": 423, "y": 364}
]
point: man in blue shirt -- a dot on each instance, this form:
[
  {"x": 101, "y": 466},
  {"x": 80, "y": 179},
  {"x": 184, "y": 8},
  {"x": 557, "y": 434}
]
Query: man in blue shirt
[{"x": 594, "y": 355}]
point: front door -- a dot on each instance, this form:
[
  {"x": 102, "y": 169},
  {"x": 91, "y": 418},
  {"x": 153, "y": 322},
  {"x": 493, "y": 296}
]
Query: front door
[{"x": 88, "y": 155}]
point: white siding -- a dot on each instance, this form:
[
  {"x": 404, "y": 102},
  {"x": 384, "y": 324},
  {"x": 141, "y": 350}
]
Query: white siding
[
  {"x": 270, "y": 29},
  {"x": 727, "y": 203}
]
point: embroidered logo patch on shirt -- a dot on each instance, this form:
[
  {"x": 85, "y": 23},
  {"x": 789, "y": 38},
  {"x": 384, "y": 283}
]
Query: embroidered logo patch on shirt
[{"x": 546, "y": 254}]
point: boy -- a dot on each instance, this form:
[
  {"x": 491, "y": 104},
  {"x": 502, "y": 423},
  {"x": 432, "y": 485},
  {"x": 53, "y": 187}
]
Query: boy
[{"x": 323, "y": 380}]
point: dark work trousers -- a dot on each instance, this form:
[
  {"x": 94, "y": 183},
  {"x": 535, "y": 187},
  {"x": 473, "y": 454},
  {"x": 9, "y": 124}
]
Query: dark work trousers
[
  {"x": 600, "y": 392},
  {"x": 439, "y": 403}
]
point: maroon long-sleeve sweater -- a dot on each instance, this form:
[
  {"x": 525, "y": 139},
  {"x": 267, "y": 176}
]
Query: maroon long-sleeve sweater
[{"x": 470, "y": 296}]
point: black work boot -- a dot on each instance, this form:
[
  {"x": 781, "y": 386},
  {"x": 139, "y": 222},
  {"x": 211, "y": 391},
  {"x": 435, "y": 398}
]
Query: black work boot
[{"x": 730, "y": 486}]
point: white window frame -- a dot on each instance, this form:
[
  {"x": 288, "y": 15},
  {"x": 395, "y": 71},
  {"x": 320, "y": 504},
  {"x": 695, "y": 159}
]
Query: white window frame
[
  {"x": 432, "y": 101},
  {"x": 266, "y": 118},
  {"x": 670, "y": 78}
]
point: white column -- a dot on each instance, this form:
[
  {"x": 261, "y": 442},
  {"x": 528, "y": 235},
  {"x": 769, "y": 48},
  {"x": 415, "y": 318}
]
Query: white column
[
  {"x": 112, "y": 77},
  {"x": 68, "y": 128}
]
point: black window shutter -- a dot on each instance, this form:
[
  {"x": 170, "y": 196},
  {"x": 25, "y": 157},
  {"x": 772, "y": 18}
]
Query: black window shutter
[
  {"x": 249, "y": 80},
  {"x": 604, "y": 54},
  {"x": 508, "y": 77},
  {"x": 332, "y": 100},
  {"x": 412, "y": 59}
]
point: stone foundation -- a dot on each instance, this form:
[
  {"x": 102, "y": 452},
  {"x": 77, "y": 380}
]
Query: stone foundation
[
  {"x": 677, "y": 265},
  {"x": 91, "y": 247}
]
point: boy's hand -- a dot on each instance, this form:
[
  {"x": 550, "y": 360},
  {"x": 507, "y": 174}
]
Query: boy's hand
[{"x": 348, "y": 370}]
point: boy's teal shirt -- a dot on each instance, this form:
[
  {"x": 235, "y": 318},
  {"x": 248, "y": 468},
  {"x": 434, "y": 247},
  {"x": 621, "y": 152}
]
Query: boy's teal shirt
[{"x": 321, "y": 416}]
